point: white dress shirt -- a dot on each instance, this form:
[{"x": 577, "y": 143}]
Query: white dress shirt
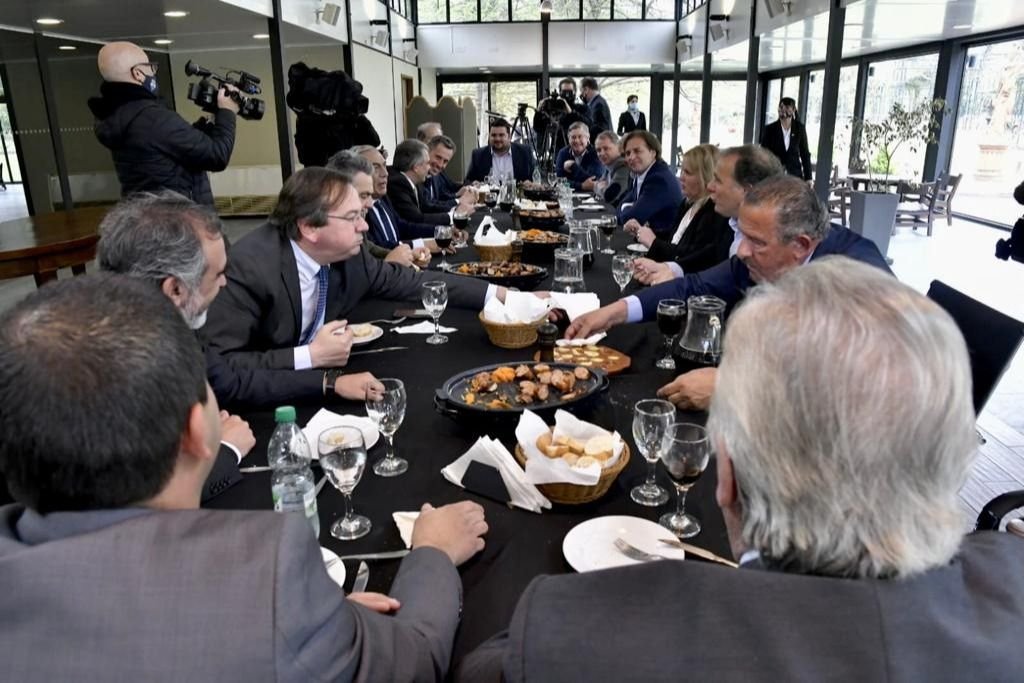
[
  {"x": 736, "y": 236},
  {"x": 308, "y": 286},
  {"x": 501, "y": 164},
  {"x": 786, "y": 133}
]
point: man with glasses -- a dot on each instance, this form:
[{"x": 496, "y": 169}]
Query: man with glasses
[{"x": 153, "y": 147}]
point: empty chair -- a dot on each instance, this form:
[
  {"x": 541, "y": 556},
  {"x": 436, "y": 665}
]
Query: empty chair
[
  {"x": 838, "y": 196},
  {"x": 917, "y": 205}
]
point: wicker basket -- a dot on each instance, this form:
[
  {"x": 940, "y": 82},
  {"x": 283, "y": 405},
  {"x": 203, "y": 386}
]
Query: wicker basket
[
  {"x": 576, "y": 494},
  {"x": 511, "y": 335},
  {"x": 502, "y": 253}
]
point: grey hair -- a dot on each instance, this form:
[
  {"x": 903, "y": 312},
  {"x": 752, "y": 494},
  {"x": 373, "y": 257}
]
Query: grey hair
[
  {"x": 608, "y": 135},
  {"x": 408, "y": 153},
  {"x": 156, "y": 236},
  {"x": 362, "y": 149},
  {"x": 798, "y": 211},
  {"x": 580, "y": 125},
  {"x": 423, "y": 130},
  {"x": 754, "y": 163},
  {"x": 350, "y": 162},
  {"x": 848, "y": 457}
]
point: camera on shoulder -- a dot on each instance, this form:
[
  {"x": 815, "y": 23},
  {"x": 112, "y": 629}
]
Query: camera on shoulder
[{"x": 204, "y": 92}]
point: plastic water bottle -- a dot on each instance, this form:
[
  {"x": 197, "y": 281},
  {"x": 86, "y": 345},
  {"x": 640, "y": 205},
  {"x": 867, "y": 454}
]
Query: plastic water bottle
[{"x": 291, "y": 481}]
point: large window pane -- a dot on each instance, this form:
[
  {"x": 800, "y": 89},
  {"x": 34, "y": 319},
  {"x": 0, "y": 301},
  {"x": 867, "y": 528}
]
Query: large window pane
[
  {"x": 989, "y": 146},
  {"x": 688, "y": 126},
  {"x": 771, "y": 100},
  {"x": 730, "y": 100},
  {"x": 525, "y": 10},
  {"x": 791, "y": 88},
  {"x": 844, "y": 114},
  {"x": 812, "y": 116},
  {"x": 493, "y": 10},
  {"x": 462, "y": 10},
  {"x": 478, "y": 93},
  {"x": 431, "y": 11},
  {"x": 627, "y": 9},
  {"x": 597, "y": 9},
  {"x": 506, "y": 97},
  {"x": 909, "y": 82},
  {"x": 565, "y": 9},
  {"x": 660, "y": 9}
]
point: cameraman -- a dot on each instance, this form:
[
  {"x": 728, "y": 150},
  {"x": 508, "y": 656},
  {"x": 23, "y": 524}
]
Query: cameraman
[
  {"x": 1014, "y": 247},
  {"x": 561, "y": 110},
  {"x": 153, "y": 147}
]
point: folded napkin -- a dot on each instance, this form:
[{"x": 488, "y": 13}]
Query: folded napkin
[
  {"x": 519, "y": 307},
  {"x": 489, "y": 469},
  {"x": 405, "y": 522},
  {"x": 325, "y": 419},
  {"x": 575, "y": 304},
  {"x": 541, "y": 469},
  {"x": 425, "y": 327},
  {"x": 494, "y": 236}
]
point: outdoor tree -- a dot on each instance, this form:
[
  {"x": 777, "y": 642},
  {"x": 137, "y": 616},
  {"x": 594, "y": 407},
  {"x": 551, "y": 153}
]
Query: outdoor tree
[{"x": 903, "y": 128}]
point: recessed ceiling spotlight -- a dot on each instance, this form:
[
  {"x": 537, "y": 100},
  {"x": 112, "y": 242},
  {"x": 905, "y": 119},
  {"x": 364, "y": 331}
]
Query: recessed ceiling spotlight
[
  {"x": 162, "y": 41},
  {"x": 960, "y": 27},
  {"x": 261, "y": 36},
  {"x": 176, "y": 14},
  {"x": 66, "y": 47},
  {"x": 49, "y": 21}
]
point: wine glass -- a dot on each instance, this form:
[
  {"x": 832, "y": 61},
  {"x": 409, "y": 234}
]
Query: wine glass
[
  {"x": 622, "y": 270},
  {"x": 343, "y": 458},
  {"x": 388, "y": 412},
  {"x": 608, "y": 225},
  {"x": 491, "y": 202},
  {"x": 651, "y": 421},
  {"x": 460, "y": 222},
  {"x": 443, "y": 239},
  {"x": 685, "y": 454},
  {"x": 670, "y": 321},
  {"x": 435, "y": 300}
]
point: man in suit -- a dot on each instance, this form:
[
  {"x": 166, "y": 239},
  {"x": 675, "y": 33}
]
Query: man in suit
[
  {"x": 613, "y": 183},
  {"x": 784, "y": 226},
  {"x": 631, "y": 119},
  {"x": 786, "y": 138},
  {"x": 441, "y": 190},
  {"x": 578, "y": 161},
  {"x": 293, "y": 280},
  {"x": 501, "y": 158},
  {"x": 654, "y": 193},
  {"x": 600, "y": 114},
  {"x": 409, "y": 170},
  {"x": 838, "y": 466},
  {"x": 106, "y": 545}
]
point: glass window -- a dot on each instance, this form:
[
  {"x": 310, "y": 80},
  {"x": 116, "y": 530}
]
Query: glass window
[
  {"x": 988, "y": 149},
  {"x": 493, "y": 10},
  {"x": 462, "y": 10},
  {"x": 627, "y": 9},
  {"x": 597, "y": 9},
  {"x": 431, "y": 11},
  {"x": 661, "y": 9},
  {"x": 506, "y": 96},
  {"x": 8, "y": 152},
  {"x": 908, "y": 81},
  {"x": 812, "y": 116},
  {"x": 771, "y": 100},
  {"x": 617, "y": 89},
  {"x": 476, "y": 91},
  {"x": 791, "y": 88},
  {"x": 730, "y": 101},
  {"x": 688, "y": 126},
  {"x": 525, "y": 10},
  {"x": 565, "y": 9}
]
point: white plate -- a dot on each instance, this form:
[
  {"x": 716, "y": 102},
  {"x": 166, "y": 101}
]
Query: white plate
[
  {"x": 364, "y": 424},
  {"x": 590, "y": 545},
  {"x": 637, "y": 247},
  {"x": 337, "y": 570},
  {"x": 590, "y": 207},
  {"x": 376, "y": 333}
]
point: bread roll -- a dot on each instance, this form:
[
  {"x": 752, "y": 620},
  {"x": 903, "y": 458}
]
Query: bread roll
[
  {"x": 585, "y": 461},
  {"x": 599, "y": 447}
]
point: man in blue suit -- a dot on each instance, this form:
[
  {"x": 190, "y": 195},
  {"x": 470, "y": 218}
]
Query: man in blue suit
[
  {"x": 784, "y": 225},
  {"x": 502, "y": 157},
  {"x": 654, "y": 195},
  {"x": 387, "y": 228},
  {"x": 440, "y": 190},
  {"x": 578, "y": 161},
  {"x": 600, "y": 113}
]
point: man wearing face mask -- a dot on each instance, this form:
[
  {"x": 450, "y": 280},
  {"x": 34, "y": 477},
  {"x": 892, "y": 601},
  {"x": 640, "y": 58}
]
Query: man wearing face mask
[{"x": 153, "y": 147}]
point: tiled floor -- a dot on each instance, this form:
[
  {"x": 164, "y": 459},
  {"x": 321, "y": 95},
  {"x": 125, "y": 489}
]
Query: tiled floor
[
  {"x": 12, "y": 202},
  {"x": 961, "y": 255}
]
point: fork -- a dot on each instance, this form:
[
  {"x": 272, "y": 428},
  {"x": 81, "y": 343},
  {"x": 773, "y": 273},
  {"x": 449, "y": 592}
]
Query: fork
[
  {"x": 634, "y": 553},
  {"x": 385, "y": 321}
]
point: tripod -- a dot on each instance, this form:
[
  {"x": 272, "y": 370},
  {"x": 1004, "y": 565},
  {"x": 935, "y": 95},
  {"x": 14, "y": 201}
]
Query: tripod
[{"x": 522, "y": 131}]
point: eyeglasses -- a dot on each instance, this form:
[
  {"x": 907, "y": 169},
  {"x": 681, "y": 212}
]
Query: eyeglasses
[
  {"x": 151, "y": 65},
  {"x": 350, "y": 217}
]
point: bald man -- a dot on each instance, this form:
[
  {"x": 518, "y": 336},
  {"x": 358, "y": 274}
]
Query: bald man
[{"x": 153, "y": 147}]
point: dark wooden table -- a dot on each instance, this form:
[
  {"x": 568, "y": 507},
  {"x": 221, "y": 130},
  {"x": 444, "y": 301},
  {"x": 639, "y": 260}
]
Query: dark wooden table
[{"x": 40, "y": 245}]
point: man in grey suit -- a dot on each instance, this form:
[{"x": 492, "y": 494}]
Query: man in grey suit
[
  {"x": 111, "y": 571},
  {"x": 292, "y": 281},
  {"x": 843, "y": 425}
]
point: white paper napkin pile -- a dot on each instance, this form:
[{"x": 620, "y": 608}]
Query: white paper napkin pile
[
  {"x": 494, "y": 236},
  {"x": 405, "y": 522},
  {"x": 325, "y": 419},
  {"x": 541, "y": 469},
  {"x": 576, "y": 305},
  {"x": 425, "y": 327},
  {"x": 519, "y": 307},
  {"x": 491, "y": 452}
]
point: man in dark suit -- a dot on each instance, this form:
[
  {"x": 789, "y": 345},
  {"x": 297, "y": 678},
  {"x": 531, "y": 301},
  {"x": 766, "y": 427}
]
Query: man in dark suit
[
  {"x": 784, "y": 226},
  {"x": 631, "y": 119},
  {"x": 501, "y": 158},
  {"x": 177, "y": 246},
  {"x": 291, "y": 282},
  {"x": 838, "y": 466},
  {"x": 409, "y": 170},
  {"x": 613, "y": 183},
  {"x": 441, "y": 190},
  {"x": 654, "y": 193},
  {"x": 106, "y": 545},
  {"x": 578, "y": 161},
  {"x": 600, "y": 114},
  {"x": 786, "y": 138}
]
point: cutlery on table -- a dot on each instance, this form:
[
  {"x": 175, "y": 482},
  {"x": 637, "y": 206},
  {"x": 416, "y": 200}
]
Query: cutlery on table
[
  {"x": 386, "y": 348},
  {"x": 362, "y": 578},
  {"x": 634, "y": 553},
  {"x": 698, "y": 551},
  {"x": 320, "y": 485},
  {"x": 384, "y": 321},
  {"x": 390, "y": 555},
  {"x": 266, "y": 468}
]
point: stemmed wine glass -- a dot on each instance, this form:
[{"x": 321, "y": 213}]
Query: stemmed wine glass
[
  {"x": 685, "y": 454},
  {"x": 671, "y": 313},
  {"x": 388, "y": 412},
  {"x": 443, "y": 239},
  {"x": 608, "y": 225},
  {"x": 343, "y": 458},
  {"x": 651, "y": 421},
  {"x": 435, "y": 300},
  {"x": 622, "y": 270}
]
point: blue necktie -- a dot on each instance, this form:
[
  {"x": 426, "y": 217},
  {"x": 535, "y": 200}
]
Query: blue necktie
[
  {"x": 386, "y": 225},
  {"x": 321, "y": 305}
]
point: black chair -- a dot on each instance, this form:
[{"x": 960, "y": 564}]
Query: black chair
[{"x": 992, "y": 337}]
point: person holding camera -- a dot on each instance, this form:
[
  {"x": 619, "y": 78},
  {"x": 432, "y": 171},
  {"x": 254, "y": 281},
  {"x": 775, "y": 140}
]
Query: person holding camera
[{"x": 153, "y": 147}]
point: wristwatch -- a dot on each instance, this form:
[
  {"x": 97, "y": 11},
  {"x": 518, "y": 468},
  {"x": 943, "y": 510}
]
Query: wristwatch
[{"x": 330, "y": 377}]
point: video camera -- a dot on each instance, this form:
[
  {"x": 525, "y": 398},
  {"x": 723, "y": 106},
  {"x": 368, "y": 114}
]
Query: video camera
[
  {"x": 204, "y": 92},
  {"x": 325, "y": 93}
]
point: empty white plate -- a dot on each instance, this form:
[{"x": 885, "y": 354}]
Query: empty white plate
[
  {"x": 337, "y": 570},
  {"x": 590, "y": 545},
  {"x": 637, "y": 247}
]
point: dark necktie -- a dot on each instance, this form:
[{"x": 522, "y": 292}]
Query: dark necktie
[
  {"x": 321, "y": 305},
  {"x": 386, "y": 225}
]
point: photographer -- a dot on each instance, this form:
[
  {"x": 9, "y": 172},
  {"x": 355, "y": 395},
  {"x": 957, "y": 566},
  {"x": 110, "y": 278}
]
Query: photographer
[
  {"x": 560, "y": 109},
  {"x": 1014, "y": 247},
  {"x": 153, "y": 147}
]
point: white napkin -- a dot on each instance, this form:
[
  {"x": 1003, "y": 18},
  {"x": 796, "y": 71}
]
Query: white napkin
[
  {"x": 425, "y": 327},
  {"x": 590, "y": 207},
  {"x": 494, "y": 236},
  {"x": 405, "y": 522},
  {"x": 589, "y": 341},
  {"x": 488, "y": 451},
  {"x": 541, "y": 469},
  {"x": 325, "y": 419},
  {"x": 519, "y": 307},
  {"x": 575, "y": 304}
]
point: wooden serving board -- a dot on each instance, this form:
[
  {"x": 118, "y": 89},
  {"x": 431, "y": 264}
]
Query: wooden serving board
[{"x": 608, "y": 359}]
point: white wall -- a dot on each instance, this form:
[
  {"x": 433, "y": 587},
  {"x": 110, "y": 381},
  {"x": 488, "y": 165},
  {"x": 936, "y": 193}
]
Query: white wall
[
  {"x": 591, "y": 42},
  {"x": 373, "y": 70},
  {"x": 472, "y": 46},
  {"x": 302, "y": 13},
  {"x": 403, "y": 69}
]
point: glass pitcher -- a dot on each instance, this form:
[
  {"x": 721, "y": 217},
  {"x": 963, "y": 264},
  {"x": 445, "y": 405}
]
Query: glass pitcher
[
  {"x": 700, "y": 344},
  {"x": 507, "y": 194},
  {"x": 581, "y": 238}
]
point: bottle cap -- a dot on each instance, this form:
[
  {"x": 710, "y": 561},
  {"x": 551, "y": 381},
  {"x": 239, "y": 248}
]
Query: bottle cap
[
  {"x": 547, "y": 334},
  {"x": 284, "y": 414}
]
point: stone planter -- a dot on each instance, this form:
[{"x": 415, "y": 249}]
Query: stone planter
[{"x": 873, "y": 215}]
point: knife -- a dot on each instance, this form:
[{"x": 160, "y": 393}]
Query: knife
[
  {"x": 386, "y": 348},
  {"x": 362, "y": 578},
  {"x": 391, "y": 555},
  {"x": 699, "y": 552}
]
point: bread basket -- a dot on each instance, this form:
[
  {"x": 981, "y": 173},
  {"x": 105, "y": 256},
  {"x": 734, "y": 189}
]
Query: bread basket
[
  {"x": 495, "y": 253},
  {"x": 511, "y": 335},
  {"x": 576, "y": 494}
]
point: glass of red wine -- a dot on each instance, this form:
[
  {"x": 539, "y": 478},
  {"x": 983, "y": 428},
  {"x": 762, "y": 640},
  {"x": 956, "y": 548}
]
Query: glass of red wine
[
  {"x": 461, "y": 222},
  {"x": 491, "y": 201},
  {"x": 443, "y": 238},
  {"x": 608, "y": 225},
  {"x": 671, "y": 313},
  {"x": 685, "y": 454}
]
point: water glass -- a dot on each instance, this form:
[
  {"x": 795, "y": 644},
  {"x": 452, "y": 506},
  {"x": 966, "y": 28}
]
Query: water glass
[
  {"x": 343, "y": 459},
  {"x": 651, "y": 421},
  {"x": 435, "y": 300},
  {"x": 622, "y": 270},
  {"x": 685, "y": 455},
  {"x": 388, "y": 413},
  {"x": 568, "y": 270}
]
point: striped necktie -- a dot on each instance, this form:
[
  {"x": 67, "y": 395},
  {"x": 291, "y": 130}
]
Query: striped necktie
[
  {"x": 390, "y": 234},
  {"x": 321, "y": 306}
]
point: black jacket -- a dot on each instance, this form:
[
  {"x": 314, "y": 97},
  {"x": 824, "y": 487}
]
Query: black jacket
[
  {"x": 627, "y": 125},
  {"x": 154, "y": 148},
  {"x": 704, "y": 244},
  {"x": 796, "y": 159},
  {"x": 409, "y": 202}
]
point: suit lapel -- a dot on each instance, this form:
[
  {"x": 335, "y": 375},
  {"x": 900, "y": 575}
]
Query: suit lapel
[{"x": 290, "y": 279}]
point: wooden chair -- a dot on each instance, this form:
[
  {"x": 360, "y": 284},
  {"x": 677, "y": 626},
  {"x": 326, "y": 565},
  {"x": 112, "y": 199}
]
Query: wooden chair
[
  {"x": 917, "y": 205},
  {"x": 838, "y": 196},
  {"x": 944, "y": 196}
]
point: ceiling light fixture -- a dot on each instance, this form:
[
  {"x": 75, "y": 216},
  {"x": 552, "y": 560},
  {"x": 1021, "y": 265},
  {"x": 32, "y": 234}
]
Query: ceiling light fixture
[
  {"x": 49, "y": 21},
  {"x": 176, "y": 14},
  {"x": 261, "y": 36},
  {"x": 66, "y": 47},
  {"x": 162, "y": 41},
  {"x": 545, "y": 7}
]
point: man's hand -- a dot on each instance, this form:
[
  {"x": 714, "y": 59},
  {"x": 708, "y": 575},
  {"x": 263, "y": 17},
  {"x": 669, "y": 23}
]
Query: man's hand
[
  {"x": 466, "y": 205},
  {"x": 235, "y": 431},
  {"x": 421, "y": 257},
  {"x": 224, "y": 99},
  {"x": 453, "y": 529},
  {"x": 632, "y": 226},
  {"x": 588, "y": 184},
  {"x": 597, "y": 321},
  {"x": 330, "y": 350},
  {"x": 358, "y": 387},
  {"x": 431, "y": 245},
  {"x": 645, "y": 235},
  {"x": 567, "y": 166},
  {"x": 464, "y": 189},
  {"x": 691, "y": 390},
  {"x": 402, "y": 255},
  {"x": 378, "y": 602},
  {"x": 650, "y": 272}
]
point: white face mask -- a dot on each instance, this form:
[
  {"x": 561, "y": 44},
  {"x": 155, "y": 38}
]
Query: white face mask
[{"x": 633, "y": 106}]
